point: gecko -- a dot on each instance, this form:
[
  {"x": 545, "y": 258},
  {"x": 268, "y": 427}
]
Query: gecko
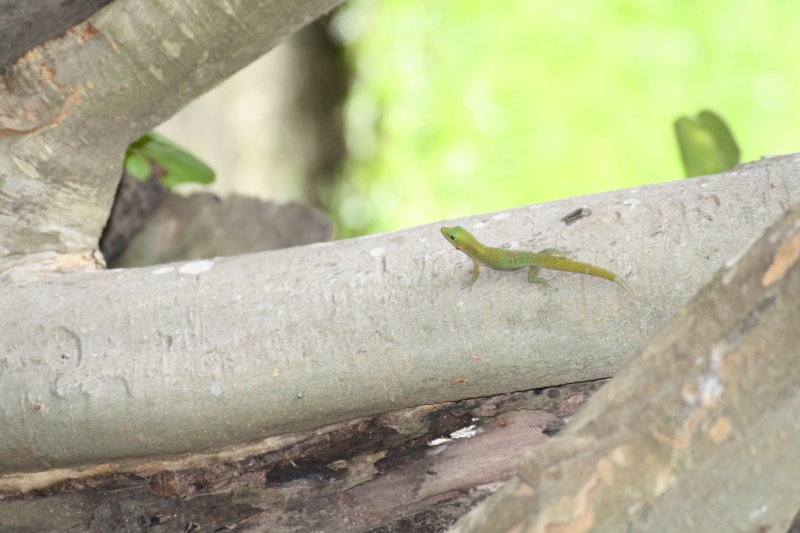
[{"x": 500, "y": 259}]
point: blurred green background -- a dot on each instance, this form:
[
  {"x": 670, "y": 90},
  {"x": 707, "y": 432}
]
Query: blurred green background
[
  {"x": 464, "y": 107},
  {"x": 467, "y": 107}
]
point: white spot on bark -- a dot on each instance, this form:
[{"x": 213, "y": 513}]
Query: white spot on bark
[
  {"x": 226, "y": 7},
  {"x": 172, "y": 48},
  {"x": 196, "y": 267},
  {"x": 710, "y": 386},
  {"x": 157, "y": 74},
  {"x": 26, "y": 167},
  {"x": 632, "y": 202},
  {"x": 465, "y": 433},
  {"x": 187, "y": 31}
]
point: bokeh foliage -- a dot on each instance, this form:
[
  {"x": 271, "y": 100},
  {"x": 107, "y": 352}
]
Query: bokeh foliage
[{"x": 472, "y": 106}]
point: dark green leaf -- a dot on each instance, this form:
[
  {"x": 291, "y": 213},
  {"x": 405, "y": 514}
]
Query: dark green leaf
[
  {"x": 180, "y": 166},
  {"x": 726, "y": 145},
  {"x": 137, "y": 166},
  {"x": 707, "y": 144}
]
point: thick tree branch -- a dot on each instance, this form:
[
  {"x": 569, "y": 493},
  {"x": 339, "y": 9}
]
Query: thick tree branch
[
  {"x": 182, "y": 358},
  {"x": 69, "y": 109}
]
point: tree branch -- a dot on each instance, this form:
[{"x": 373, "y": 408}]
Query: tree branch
[
  {"x": 69, "y": 109},
  {"x": 203, "y": 355}
]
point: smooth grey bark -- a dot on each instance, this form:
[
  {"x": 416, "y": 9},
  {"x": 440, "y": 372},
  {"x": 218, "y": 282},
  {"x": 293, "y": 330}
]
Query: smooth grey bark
[
  {"x": 698, "y": 433},
  {"x": 97, "y": 367},
  {"x": 69, "y": 109}
]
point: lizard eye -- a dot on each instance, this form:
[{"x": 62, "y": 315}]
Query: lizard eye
[{"x": 452, "y": 236}]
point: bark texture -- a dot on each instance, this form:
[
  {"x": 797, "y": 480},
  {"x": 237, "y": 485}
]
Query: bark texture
[
  {"x": 698, "y": 433},
  {"x": 70, "y": 107},
  {"x": 24, "y": 25}
]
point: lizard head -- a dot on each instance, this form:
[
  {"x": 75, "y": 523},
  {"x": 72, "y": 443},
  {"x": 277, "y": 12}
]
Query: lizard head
[{"x": 460, "y": 238}]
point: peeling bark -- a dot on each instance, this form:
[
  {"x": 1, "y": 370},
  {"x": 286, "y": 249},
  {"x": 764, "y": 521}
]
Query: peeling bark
[{"x": 376, "y": 474}]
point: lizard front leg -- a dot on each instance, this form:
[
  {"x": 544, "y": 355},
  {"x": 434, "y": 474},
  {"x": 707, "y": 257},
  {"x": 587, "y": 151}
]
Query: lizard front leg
[{"x": 475, "y": 271}]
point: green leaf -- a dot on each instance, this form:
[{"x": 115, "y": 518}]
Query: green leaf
[
  {"x": 726, "y": 145},
  {"x": 137, "y": 166},
  {"x": 180, "y": 166},
  {"x": 706, "y": 143}
]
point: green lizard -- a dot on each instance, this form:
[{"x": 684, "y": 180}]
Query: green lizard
[{"x": 500, "y": 259}]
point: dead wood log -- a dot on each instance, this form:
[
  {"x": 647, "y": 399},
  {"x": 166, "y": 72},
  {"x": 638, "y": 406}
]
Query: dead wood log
[{"x": 417, "y": 469}]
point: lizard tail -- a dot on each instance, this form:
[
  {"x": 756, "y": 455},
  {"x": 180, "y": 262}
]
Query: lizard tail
[{"x": 568, "y": 265}]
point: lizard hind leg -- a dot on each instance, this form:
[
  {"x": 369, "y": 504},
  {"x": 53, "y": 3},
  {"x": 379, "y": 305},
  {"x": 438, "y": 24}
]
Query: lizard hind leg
[{"x": 533, "y": 276}]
